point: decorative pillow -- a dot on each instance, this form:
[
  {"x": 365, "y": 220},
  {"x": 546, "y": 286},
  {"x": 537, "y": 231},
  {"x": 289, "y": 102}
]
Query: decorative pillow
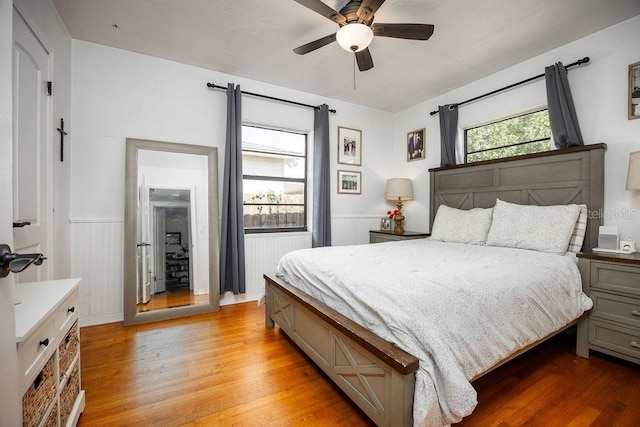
[
  {"x": 461, "y": 226},
  {"x": 579, "y": 231},
  {"x": 539, "y": 228}
]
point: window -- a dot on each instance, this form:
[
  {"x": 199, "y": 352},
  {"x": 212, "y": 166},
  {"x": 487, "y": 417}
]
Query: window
[
  {"x": 274, "y": 166},
  {"x": 524, "y": 134}
]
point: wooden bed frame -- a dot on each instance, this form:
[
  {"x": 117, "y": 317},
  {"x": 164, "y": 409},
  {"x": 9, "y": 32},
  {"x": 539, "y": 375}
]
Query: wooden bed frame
[{"x": 378, "y": 376}]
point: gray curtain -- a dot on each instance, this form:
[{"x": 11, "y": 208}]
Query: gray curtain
[
  {"x": 562, "y": 111},
  {"x": 232, "y": 275},
  {"x": 321, "y": 235},
  {"x": 448, "y": 130}
]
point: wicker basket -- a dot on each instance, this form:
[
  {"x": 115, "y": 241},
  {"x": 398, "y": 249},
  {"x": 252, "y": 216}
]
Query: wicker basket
[
  {"x": 68, "y": 349},
  {"x": 52, "y": 419},
  {"x": 40, "y": 394},
  {"x": 70, "y": 392}
]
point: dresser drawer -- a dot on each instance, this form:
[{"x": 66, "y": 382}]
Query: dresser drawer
[
  {"x": 68, "y": 312},
  {"x": 68, "y": 350},
  {"x": 69, "y": 394},
  {"x": 615, "y": 278},
  {"x": 34, "y": 351},
  {"x": 616, "y": 308},
  {"x": 39, "y": 395},
  {"x": 616, "y": 338}
]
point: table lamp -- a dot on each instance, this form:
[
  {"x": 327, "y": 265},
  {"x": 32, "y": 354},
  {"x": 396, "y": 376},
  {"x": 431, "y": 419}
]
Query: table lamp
[
  {"x": 633, "y": 173},
  {"x": 399, "y": 190}
]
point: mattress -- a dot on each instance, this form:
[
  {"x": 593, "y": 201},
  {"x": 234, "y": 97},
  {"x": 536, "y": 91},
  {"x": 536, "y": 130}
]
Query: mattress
[{"x": 459, "y": 309}]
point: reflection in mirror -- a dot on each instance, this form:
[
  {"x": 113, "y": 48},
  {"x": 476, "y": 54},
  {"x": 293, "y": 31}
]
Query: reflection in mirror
[{"x": 171, "y": 233}]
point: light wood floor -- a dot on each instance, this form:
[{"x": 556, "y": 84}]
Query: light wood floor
[
  {"x": 226, "y": 368},
  {"x": 177, "y": 297}
]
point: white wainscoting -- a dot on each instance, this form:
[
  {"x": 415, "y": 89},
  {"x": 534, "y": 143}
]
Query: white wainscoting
[
  {"x": 97, "y": 247},
  {"x": 262, "y": 253},
  {"x": 352, "y": 230},
  {"x": 96, "y": 256}
]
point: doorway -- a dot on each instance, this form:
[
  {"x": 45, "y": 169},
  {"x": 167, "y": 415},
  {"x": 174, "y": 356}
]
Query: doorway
[
  {"x": 173, "y": 266},
  {"x": 171, "y": 249}
]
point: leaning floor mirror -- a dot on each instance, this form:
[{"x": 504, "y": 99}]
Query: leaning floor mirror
[{"x": 171, "y": 231}]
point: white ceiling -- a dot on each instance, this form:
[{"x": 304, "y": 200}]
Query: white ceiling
[{"x": 255, "y": 38}]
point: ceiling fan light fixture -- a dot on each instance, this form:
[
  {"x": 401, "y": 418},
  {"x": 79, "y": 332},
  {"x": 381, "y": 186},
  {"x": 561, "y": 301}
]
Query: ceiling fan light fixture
[{"x": 354, "y": 37}]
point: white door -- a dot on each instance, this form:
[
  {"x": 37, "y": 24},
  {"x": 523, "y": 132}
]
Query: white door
[
  {"x": 10, "y": 402},
  {"x": 144, "y": 275},
  {"x": 31, "y": 142},
  {"x": 159, "y": 249}
]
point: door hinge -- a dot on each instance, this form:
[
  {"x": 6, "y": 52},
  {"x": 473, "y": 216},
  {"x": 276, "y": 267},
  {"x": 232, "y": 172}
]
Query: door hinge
[{"x": 49, "y": 88}]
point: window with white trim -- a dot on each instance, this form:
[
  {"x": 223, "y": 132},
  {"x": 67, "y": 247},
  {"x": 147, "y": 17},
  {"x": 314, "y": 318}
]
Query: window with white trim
[
  {"x": 274, "y": 166},
  {"x": 522, "y": 134}
]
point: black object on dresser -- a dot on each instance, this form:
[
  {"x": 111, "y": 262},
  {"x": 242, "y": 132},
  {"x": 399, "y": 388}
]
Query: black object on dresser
[{"x": 612, "y": 281}]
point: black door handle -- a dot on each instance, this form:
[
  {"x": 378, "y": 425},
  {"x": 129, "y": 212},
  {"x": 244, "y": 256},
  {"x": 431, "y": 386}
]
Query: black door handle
[
  {"x": 14, "y": 262},
  {"x": 21, "y": 224}
]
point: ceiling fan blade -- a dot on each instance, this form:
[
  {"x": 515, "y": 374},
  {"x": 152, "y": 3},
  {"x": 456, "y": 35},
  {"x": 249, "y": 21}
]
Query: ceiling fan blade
[
  {"x": 403, "y": 31},
  {"x": 367, "y": 9},
  {"x": 364, "y": 59},
  {"x": 316, "y": 44},
  {"x": 324, "y": 10}
]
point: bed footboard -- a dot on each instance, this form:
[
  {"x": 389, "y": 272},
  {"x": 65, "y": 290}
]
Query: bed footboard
[{"x": 376, "y": 375}]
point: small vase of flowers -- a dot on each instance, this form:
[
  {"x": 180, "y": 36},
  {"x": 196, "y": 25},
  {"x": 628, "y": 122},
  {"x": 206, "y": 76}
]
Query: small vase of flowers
[{"x": 399, "y": 218}]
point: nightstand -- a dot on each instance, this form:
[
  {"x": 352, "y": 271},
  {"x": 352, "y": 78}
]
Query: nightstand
[
  {"x": 379, "y": 236},
  {"x": 612, "y": 281}
]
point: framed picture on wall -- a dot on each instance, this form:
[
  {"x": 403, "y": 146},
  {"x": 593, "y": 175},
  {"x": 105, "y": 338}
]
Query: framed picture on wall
[
  {"x": 349, "y": 182},
  {"x": 173, "y": 238},
  {"x": 349, "y": 146},
  {"x": 634, "y": 91},
  {"x": 415, "y": 145}
]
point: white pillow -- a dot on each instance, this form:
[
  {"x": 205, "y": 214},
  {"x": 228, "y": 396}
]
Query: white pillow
[
  {"x": 461, "y": 226},
  {"x": 579, "y": 231},
  {"x": 539, "y": 228}
]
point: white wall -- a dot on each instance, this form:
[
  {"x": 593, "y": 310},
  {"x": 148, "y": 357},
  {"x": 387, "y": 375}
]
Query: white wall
[
  {"x": 600, "y": 94},
  {"x": 119, "y": 94}
]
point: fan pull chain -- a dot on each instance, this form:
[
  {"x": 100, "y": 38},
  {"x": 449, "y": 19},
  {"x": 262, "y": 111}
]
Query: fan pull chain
[{"x": 354, "y": 71}]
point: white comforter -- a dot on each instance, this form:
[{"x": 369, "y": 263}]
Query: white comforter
[{"x": 458, "y": 308}]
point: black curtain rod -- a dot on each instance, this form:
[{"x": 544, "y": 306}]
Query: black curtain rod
[
  {"x": 315, "y": 107},
  {"x": 573, "y": 64}
]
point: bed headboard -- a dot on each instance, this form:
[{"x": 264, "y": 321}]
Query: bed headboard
[{"x": 559, "y": 177}]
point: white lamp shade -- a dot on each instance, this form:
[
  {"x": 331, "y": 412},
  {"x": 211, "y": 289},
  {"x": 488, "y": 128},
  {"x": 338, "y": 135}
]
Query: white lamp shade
[
  {"x": 633, "y": 173},
  {"x": 399, "y": 188},
  {"x": 354, "y": 37}
]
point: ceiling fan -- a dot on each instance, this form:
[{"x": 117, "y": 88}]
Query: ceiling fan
[{"x": 357, "y": 29}]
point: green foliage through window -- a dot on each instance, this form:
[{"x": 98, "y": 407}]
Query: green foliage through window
[{"x": 528, "y": 133}]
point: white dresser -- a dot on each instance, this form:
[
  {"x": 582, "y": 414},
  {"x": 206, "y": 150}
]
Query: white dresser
[{"x": 48, "y": 345}]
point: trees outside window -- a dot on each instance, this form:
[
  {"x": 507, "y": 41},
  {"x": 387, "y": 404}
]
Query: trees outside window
[{"x": 523, "y": 134}]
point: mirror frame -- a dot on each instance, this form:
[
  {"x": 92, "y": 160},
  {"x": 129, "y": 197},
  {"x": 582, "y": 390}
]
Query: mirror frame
[
  {"x": 131, "y": 315},
  {"x": 633, "y": 68}
]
